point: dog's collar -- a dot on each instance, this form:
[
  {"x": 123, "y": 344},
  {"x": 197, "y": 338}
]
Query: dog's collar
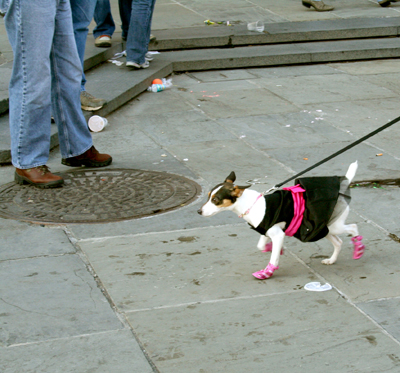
[{"x": 248, "y": 210}]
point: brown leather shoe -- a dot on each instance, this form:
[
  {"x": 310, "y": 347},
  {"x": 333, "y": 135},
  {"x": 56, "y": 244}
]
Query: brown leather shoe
[
  {"x": 40, "y": 177},
  {"x": 319, "y": 6},
  {"x": 91, "y": 158}
]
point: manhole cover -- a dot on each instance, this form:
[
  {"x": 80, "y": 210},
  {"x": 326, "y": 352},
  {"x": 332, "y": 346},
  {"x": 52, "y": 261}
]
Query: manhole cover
[{"x": 94, "y": 196}]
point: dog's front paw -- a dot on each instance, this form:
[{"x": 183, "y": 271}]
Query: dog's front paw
[
  {"x": 328, "y": 262},
  {"x": 265, "y": 273}
]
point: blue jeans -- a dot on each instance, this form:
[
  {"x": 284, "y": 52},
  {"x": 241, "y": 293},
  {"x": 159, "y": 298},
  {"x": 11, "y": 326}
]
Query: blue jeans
[
  {"x": 136, "y": 16},
  {"x": 104, "y": 21},
  {"x": 46, "y": 74},
  {"x": 82, "y": 15}
]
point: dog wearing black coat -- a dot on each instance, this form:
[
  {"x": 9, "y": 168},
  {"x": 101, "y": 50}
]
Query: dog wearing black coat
[{"x": 315, "y": 208}]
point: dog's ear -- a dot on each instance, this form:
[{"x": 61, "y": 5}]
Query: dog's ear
[
  {"x": 231, "y": 178},
  {"x": 238, "y": 190}
]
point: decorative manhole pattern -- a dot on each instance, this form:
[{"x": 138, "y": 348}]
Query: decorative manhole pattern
[{"x": 95, "y": 196}]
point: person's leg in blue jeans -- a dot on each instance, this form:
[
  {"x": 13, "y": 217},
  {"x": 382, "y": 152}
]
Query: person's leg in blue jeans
[
  {"x": 82, "y": 15},
  {"x": 35, "y": 33},
  {"x": 46, "y": 72},
  {"x": 105, "y": 25},
  {"x": 139, "y": 32},
  {"x": 125, "y": 9}
]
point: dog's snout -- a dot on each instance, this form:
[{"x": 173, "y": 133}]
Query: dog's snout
[{"x": 199, "y": 211}]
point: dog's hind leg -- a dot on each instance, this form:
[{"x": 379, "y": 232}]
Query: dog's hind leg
[
  {"x": 339, "y": 227},
  {"x": 359, "y": 247},
  {"x": 337, "y": 246}
]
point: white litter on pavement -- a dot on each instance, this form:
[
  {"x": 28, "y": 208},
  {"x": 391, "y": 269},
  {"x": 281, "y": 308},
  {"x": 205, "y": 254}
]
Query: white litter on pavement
[{"x": 316, "y": 286}]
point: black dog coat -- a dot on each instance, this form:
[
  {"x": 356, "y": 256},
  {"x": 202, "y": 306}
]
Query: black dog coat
[{"x": 321, "y": 196}]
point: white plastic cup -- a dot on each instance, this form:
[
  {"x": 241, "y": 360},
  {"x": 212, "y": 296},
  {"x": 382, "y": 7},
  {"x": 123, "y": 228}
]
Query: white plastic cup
[
  {"x": 97, "y": 123},
  {"x": 256, "y": 26}
]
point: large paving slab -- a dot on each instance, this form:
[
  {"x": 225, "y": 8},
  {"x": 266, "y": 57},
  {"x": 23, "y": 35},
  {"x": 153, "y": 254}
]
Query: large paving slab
[
  {"x": 359, "y": 118},
  {"x": 278, "y": 130},
  {"x": 316, "y": 89},
  {"x": 386, "y": 313},
  {"x": 232, "y": 99},
  {"x": 50, "y": 297},
  {"x": 84, "y": 353},
  {"x": 247, "y": 162},
  {"x": 168, "y": 129},
  {"x": 371, "y": 166},
  {"x": 293, "y": 332},
  {"x": 21, "y": 240},
  {"x": 162, "y": 270},
  {"x": 374, "y": 204}
]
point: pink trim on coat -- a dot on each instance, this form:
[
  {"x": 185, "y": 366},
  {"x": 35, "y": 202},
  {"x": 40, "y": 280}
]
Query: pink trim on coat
[{"x": 298, "y": 206}]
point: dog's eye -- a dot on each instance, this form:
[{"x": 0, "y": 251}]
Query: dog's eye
[{"x": 215, "y": 200}]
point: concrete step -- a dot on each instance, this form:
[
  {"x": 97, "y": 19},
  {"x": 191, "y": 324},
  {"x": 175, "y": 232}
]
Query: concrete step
[
  {"x": 285, "y": 32},
  {"x": 282, "y": 44}
]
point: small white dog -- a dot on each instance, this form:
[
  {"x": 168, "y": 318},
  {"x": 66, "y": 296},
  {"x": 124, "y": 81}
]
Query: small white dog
[{"x": 314, "y": 208}]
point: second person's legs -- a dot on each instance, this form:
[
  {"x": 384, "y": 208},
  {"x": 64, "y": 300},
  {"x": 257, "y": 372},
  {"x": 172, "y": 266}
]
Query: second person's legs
[{"x": 139, "y": 30}]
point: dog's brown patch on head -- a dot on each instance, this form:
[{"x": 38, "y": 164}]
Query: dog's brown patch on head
[
  {"x": 226, "y": 203},
  {"x": 237, "y": 192}
]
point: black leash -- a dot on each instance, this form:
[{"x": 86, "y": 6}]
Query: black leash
[{"x": 339, "y": 152}]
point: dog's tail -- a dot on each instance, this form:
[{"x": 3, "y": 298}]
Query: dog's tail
[{"x": 351, "y": 172}]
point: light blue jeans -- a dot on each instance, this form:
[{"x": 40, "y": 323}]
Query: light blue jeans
[
  {"x": 139, "y": 13},
  {"x": 104, "y": 21},
  {"x": 46, "y": 74},
  {"x": 82, "y": 15}
]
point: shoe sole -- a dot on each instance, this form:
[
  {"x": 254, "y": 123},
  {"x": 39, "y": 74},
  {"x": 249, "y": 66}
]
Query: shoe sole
[
  {"x": 137, "y": 68},
  {"x": 23, "y": 181},
  {"x": 103, "y": 45},
  {"x": 88, "y": 108},
  {"x": 86, "y": 163},
  {"x": 318, "y": 10}
]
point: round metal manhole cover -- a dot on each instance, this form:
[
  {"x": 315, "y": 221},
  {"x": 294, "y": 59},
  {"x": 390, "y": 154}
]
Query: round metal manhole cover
[{"x": 95, "y": 196}]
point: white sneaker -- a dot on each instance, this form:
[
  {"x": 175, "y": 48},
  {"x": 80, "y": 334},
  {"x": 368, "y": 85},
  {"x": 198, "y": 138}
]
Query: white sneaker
[
  {"x": 135, "y": 65},
  {"x": 103, "y": 41},
  {"x": 149, "y": 56}
]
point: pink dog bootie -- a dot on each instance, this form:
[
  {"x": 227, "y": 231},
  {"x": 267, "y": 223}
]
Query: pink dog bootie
[
  {"x": 268, "y": 248},
  {"x": 359, "y": 247},
  {"x": 265, "y": 273}
]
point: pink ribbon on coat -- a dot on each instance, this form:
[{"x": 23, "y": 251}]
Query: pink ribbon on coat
[{"x": 298, "y": 206}]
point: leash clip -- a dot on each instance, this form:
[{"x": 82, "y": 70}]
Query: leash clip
[{"x": 270, "y": 190}]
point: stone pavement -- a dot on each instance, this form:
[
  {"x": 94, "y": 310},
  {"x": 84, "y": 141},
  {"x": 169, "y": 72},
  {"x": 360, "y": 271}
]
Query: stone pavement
[{"x": 174, "y": 292}]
